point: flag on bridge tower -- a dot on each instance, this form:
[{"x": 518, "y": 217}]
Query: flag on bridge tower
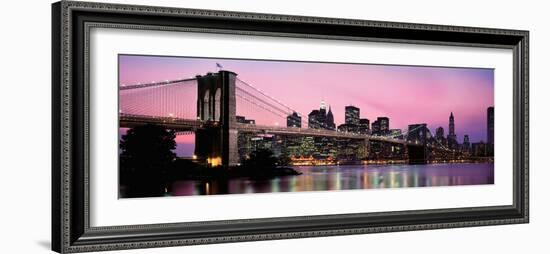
[{"x": 219, "y": 66}]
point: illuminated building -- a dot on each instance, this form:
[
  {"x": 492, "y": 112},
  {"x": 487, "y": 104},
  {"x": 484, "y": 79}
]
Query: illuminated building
[
  {"x": 352, "y": 115},
  {"x": 294, "y": 120}
]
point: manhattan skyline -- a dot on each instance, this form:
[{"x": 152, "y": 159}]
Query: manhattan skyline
[{"x": 405, "y": 94}]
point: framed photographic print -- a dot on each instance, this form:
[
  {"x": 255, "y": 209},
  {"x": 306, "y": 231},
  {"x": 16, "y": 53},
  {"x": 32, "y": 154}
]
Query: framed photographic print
[{"x": 182, "y": 126}]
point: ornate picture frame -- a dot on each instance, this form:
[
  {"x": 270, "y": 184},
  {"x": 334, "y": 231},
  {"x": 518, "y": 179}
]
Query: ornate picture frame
[{"x": 71, "y": 196}]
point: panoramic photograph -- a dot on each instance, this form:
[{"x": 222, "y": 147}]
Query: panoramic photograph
[{"x": 192, "y": 126}]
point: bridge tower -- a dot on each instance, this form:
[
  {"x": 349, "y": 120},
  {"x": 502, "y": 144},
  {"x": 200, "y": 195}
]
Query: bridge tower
[
  {"x": 418, "y": 149},
  {"x": 216, "y": 141}
]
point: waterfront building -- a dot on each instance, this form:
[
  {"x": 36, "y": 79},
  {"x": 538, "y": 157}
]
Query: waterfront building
[
  {"x": 351, "y": 151},
  {"x": 249, "y": 142},
  {"x": 325, "y": 147},
  {"x": 292, "y": 146},
  {"x": 307, "y": 147}
]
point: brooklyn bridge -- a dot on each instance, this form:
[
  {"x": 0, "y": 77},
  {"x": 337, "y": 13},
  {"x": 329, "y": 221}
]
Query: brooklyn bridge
[{"x": 209, "y": 106}]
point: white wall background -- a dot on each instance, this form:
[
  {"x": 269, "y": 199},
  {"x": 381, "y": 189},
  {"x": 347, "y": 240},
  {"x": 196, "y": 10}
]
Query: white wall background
[{"x": 25, "y": 126}]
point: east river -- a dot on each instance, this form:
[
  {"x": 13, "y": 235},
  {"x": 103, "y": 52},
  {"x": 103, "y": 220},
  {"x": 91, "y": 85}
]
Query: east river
[{"x": 349, "y": 177}]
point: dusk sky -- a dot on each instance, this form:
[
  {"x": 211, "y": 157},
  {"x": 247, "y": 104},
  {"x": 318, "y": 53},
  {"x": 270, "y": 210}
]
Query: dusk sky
[{"x": 405, "y": 94}]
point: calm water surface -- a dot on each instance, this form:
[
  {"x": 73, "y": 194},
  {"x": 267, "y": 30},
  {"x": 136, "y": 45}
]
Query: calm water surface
[{"x": 322, "y": 178}]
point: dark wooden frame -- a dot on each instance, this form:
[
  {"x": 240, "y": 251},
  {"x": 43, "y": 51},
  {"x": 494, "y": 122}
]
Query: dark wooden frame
[{"x": 71, "y": 22}]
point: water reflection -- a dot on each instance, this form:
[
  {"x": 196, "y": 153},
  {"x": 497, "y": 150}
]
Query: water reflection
[{"x": 321, "y": 178}]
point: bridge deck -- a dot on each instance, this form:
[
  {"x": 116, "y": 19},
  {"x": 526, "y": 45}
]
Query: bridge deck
[
  {"x": 161, "y": 83},
  {"x": 177, "y": 124},
  {"x": 312, "y": 132},
  {"x": 129, "y": 121}
]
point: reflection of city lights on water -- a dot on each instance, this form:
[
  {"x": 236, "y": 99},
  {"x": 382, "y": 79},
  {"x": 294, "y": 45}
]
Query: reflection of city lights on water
[
  {"x": 275, "y": 183},
  {"x": 349, "y": 177},
  {"x": 405, "y": 179}
]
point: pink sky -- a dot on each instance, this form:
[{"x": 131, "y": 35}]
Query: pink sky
[{"x": 405, "y": 94}]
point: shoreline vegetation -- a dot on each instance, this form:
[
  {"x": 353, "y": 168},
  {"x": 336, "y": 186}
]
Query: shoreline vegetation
[
  {"x": 148, "y": 164},
  {"x": 152, "y": 183}
]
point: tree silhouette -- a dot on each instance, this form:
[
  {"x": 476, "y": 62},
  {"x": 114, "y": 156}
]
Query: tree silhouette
[
  {"x": 145, "y": 159},
  {"x": 261, "y": 159}
]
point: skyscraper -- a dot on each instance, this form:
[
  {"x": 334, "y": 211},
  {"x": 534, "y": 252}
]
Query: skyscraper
[
  {"x": 439, "y": 133},
  {"x": 330, "y": 120},
  {"x": 375, "y": 127},
  {"x": 490, "y": 125},
  {"x": 322, "y": 116},
  {"x": 440, "y": 136},
  {"x": 323, "y": 106},
  {"x": 313, "y": 119},
  {"x": 490, "y": 130},
  {"x": 294, "y": 120},
  {"x": 352, "y": 115},
  {"x": 384, "y": 125},
  {"x": 466, "y": 143},
  {"x": 451, "y": 138},
  {"x": 320, "y": 119},
  {"x": 466, "y": 139},
  {"x": 381, "y": 126},
  {"x": 452, "y": 134},
  {"x": 364, "y": 126}
]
